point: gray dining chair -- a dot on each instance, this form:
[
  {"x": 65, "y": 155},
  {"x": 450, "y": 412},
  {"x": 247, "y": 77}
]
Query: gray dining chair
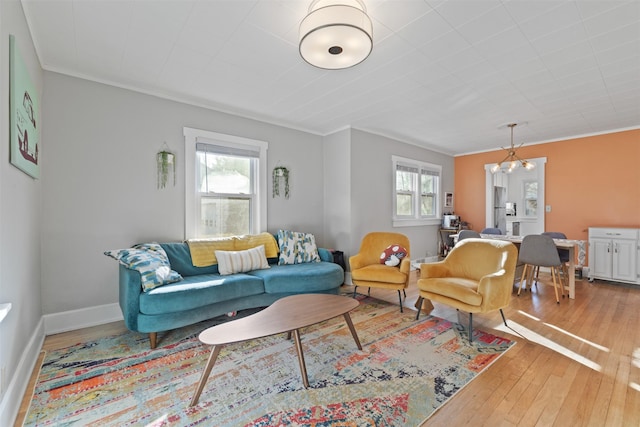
[
  {"x": 491, "y": 230},
  {"x": 467, "y": 234},
  {"x": 537, "y": 251},
  {"x": 563, "y": 253}
]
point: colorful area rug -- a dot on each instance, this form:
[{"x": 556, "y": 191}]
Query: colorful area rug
[{"x": 406, "y": 370}]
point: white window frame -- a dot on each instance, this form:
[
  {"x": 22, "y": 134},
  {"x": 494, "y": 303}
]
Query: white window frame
[
  {"x": 191, "y": 138},
  {"x": 416, "y": 219}
]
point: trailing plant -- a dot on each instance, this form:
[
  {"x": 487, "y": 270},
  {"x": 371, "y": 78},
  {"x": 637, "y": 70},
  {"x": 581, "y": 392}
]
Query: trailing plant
[
  {"x": 280, "y": 172},
  {"x": 166, "y": 164}
]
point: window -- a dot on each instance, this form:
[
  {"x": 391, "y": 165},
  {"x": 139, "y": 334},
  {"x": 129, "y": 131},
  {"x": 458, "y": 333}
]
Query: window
[
  {"x": 225, "y": 185},
  {"x": 416, "y": 192},
  {"x": 530, "y": 191}
]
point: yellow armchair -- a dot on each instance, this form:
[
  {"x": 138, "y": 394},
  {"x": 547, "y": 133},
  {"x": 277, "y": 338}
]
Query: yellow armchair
[
  {"x": 476, "y": 277},
  {"x": 367, "y": 270}
]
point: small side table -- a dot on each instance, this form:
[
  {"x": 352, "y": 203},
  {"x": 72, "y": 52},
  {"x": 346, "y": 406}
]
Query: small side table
[{"x": 338, "y": 258}]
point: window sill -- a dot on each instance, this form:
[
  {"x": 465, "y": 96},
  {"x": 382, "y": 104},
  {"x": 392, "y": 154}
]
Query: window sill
[{"x": 416, "y": 222}]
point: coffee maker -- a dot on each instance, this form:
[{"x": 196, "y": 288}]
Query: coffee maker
[{"x": 450, "y": 221}]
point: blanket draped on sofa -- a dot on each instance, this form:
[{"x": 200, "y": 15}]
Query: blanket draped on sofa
[{"x": 203, "y": 250}]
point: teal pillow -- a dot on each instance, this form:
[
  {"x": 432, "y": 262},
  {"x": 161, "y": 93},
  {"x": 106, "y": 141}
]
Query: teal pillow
[{"x": 151, "y": 261}]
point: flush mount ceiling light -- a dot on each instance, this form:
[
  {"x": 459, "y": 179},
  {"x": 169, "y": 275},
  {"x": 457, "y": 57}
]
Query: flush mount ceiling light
[
  {"x": 336, "y": 34},
  {"x": 512, "y": 159}
]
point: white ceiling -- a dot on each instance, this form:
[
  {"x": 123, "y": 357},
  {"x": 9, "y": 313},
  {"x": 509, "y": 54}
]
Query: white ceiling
[{"x": 442, "y": 74}]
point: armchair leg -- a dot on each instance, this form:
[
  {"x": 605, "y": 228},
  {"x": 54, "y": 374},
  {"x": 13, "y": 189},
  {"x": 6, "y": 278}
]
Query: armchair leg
[
  {"x": 419, "y": 306},
  {"x": 470, "y": 327},
  {"x": 503, "y": 318},
  {"x": 354, "y": 290},
  {"x": 400, "y": 297}
]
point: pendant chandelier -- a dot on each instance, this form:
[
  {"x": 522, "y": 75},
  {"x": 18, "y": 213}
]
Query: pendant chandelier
[
  {"x": 336, "y": 34},
  {"x": 512, "y": 160}
]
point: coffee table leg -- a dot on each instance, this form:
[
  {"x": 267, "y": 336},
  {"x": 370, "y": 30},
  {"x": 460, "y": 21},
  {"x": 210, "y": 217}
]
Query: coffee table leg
[
  {"x": 205, "y": 375},
  {"x": 303, "y": 367},
  {"x": 353, "y": 330}
]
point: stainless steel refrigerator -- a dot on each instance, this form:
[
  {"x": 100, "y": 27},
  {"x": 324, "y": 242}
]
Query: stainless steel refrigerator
[{"x": 500, "y": 209}]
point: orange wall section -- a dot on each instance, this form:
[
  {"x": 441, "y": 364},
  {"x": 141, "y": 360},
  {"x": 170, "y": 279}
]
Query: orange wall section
[{"x": 589, "y": 181}]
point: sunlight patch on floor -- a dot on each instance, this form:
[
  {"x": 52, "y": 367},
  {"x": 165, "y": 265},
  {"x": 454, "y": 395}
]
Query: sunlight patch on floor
[
  {"x": 598, "y": 346},
  {"x": 528, "y": 315},
  {"x": 546, "y": 342},
  {"x": 634, "y": 386}
]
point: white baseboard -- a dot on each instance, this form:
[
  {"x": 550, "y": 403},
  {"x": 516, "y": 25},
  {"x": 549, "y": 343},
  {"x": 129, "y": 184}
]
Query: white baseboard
[
  {"x": 49, "y": 324},
  {"x": 10, "y": 404},
  {"x": 347, "y": 278},
  {"x": 81, "y": 318}
]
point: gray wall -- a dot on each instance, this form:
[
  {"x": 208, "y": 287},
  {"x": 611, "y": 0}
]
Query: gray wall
[
  {"x": 371, "y": 189},
  {"x": 100, "y": 187},
  {"x": 337, "y": 190},
  {"x": 20, "y": 219}
]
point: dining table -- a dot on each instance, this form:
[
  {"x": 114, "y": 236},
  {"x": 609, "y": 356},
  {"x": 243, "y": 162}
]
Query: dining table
[{"x": 569, "y": 244}]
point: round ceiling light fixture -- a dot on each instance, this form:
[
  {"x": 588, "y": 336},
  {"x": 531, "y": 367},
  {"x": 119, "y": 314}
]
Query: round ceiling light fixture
[{"x": 336, "y": 34}]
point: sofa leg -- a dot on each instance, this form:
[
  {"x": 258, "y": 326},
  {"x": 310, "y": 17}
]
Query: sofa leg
[
  {"x": 419, "y": 306},
  {"x": 153, "y": 339}
]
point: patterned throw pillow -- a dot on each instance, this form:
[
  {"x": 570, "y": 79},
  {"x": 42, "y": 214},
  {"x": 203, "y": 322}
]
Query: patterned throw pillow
[
  {"x": 151, "y": 261},
  {"x": 230, "y": 262},
  {"x": 392, "y": 255},
  {"x": 297, "y": 248}
]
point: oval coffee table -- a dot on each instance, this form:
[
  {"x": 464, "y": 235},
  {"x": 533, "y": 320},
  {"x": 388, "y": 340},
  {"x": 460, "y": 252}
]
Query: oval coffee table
[{"x": 288, "y": 314}]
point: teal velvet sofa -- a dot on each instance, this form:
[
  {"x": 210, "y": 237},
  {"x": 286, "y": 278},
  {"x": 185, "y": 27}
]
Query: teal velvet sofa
[{"x": 204, "y": 293}]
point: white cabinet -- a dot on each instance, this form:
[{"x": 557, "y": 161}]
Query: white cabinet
[
  {"x": 500, "y": 179},
  {"x": 614, "y": 254}
]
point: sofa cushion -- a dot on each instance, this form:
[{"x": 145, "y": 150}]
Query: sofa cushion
[
  {"x": 180, "y": 260},
  {"x": 301, "y": 278},
  {"x": 230, "y": 262},
  {"x": 199, "y": 291}
]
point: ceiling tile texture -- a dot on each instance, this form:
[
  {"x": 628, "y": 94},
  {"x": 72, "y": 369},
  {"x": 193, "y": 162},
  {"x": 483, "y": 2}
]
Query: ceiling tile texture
[{"x": 442, "y": 74}]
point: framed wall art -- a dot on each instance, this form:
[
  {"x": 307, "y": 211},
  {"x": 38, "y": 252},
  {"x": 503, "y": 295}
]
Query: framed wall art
[
  {"x": 24, "y": 120},
  {"x": 448, "y": 200}
]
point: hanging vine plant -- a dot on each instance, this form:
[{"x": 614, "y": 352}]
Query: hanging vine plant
[
  {"x": 280, "y": 172},
  {"x": 166, "y": 165}
]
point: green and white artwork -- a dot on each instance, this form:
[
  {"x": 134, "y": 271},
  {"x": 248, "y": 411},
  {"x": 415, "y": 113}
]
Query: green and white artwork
[{"x": 24, "y": 111}]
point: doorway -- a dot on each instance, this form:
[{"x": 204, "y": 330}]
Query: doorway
[{"x": 516, "y": 189}]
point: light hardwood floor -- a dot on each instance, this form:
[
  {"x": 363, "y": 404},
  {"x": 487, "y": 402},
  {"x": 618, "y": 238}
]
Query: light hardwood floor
[{"x": 574, "y": 364}]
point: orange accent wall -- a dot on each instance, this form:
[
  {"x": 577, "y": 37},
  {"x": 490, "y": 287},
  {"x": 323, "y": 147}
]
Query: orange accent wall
[{"x": 590, "y": 181}]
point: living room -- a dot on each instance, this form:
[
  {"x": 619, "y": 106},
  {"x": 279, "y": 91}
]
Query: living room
[{"x": 97, "y": 191}]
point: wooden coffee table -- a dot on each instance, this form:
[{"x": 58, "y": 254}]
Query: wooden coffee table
[{"x": 288, "y": 314}]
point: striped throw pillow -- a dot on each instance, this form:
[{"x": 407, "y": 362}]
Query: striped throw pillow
[{"x": 230, "y": 262}]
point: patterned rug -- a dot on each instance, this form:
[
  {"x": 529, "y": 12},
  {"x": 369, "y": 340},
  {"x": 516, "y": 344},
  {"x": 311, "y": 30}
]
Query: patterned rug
[{"x": 406, "y": 370}]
